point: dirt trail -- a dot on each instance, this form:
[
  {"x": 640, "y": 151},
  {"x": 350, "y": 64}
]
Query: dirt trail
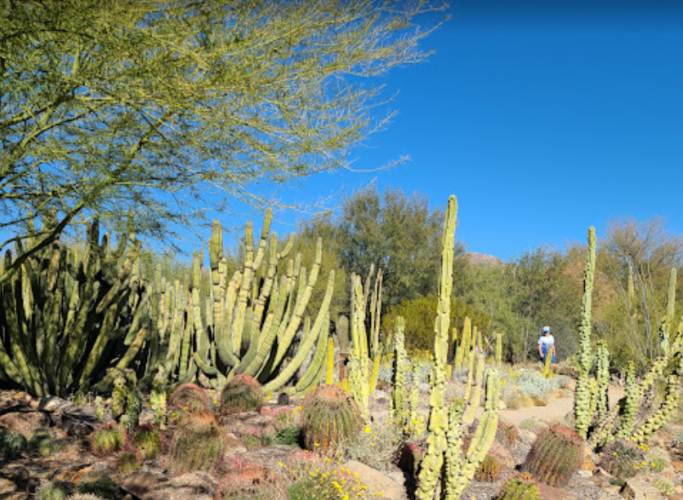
[{"x": 555, "y": 410}]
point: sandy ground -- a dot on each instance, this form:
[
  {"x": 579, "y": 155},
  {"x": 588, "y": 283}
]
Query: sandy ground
[{"x": 555, "y": 410}]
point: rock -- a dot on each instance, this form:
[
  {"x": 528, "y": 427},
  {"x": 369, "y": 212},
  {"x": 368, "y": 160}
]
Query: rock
[
  {"x": 195, "y": 485},
  {"x": 49, "y": 403},
  {"x": 79, "y": 421},
  {"x": 503, "y": 455},
  {"x": 246, "y": 424},
  {"x": 7, "y": 487},
  {"x": 585, "y": 473},
  {"x": 24, "y": 422},
  {"x": 588, "y": 464},
  {"x": 550, "y": 493},
  {"x": 376, "y": 481},
  {"x": 526, "y": 436},
  {"x": 639, "y": 490},
  {"x": 140, "y": 484},
  {"x": 677, "y": 465},
  {"x": 146, "y": 417}
]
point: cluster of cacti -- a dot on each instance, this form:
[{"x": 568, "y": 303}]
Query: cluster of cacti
[
  {"x": 507, "y": 432},
  {"x": 555, "y": 456},
  {"x": 107, "y": 439},
  {"x": 128, "y": 460},
  {"x": 65, "y": 308},
  {"x": 199, "y": 442},
  {"x": 331, "y": 420},
  {"x": 601, "y": 380},
  {"x": 53, "y": 490},
  {"x": 621, "y": 458},
  {"x": 489, "y": 469},
  {"x": 322, "y": 361},
  {"x": 416, "y": 425},
  {"x": 521, "y": 487},
  {"x": 45, "y": 442},
  {"x": 660, "y": 417},
  {"x": 186, "y": 398},
  {"x": 149, "y": 441},
  {"x": 366, "y": 352},
  {"x": 251, "y": 319},
  {"x": 247, "y": 481},
  {"x": 444, "y": 443},
  {"x": 243, "y": 393}
]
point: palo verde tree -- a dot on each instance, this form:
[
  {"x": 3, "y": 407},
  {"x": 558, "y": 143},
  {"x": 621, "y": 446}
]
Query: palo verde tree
[{"x": 140, "y": 112}]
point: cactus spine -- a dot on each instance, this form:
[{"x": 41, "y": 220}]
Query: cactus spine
[
  {"x": 555, "y": 456},
  {"x": 198, "y": 443},
  {"x": 521, "y": 487},
  {"x": 582, "y": 396},
  {"x": 243, "y": 393},
  {"x": 400, "y": 394}
]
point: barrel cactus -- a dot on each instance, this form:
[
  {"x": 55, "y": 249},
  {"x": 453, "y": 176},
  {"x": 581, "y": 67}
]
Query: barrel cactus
[
  {"x": 621, "y": 458},
  {"x": 242, "y": 393},
  {"x": 488, "y": 469},
  {"x": 247, "y": 481},
  {"x": 108, "y": 438},
  {"x": 521, "y": 487},
  {"x": 128, "y": 460},
  {"x": 198, "y": 443},
  {"x": 12, "y": 444},
  {"x": 53, "y": 490},
  {"x": 331, "y": 419},
  {"x": 98, "y": 485},
  {"x": 190, "y": 396},
  {"x": 149, "y": 441},
  {"x": 507, "y": 432},
  {"x": 555, "y": 456}
]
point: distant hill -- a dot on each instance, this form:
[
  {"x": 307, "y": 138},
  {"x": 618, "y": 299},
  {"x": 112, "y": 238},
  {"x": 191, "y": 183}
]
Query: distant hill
[{"x": 482, "y": 259}]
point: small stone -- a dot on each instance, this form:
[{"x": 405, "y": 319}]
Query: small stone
[
  {"x": 551, "y": 493},
  {"x": 639, "y": 490},
  {"x": 49, "y": 404},
  {"x": 587, "y": 464},
  {"x": 140, "y": 484},
  {"x": 7, "y": 487},
  {"x": 585, "y": 473},
  {"x": 677, "y": 465}
]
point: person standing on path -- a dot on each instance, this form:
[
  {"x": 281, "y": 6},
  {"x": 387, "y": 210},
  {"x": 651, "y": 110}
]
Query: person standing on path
[{"x": 546, "y": 344}]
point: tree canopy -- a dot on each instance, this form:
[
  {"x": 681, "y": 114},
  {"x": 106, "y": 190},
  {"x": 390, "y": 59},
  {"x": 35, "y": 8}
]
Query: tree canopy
[{"x": 141, "y": 112}]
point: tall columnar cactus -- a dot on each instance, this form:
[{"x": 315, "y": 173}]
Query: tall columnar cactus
[
  {"x": 499, "y": 349},
  {"x": 63, "y": 309},
  {"x": 521, "y": 487},
  {"x": 199, "y": 442},
  {"x": 582, "y": 396},
  {"x": 555, "y": 456},
  {"x": 242, "y": 393},
  {"x": 629, "y": 404},
  {"x": 365, "y": 350},
  {"x": 400, "y": 394},
  {"x": 432, "y": 464},
  {"x": 331, "y": 419},
  {"x": 602, "y": 380},
  {"x": 658, "y": 419}
]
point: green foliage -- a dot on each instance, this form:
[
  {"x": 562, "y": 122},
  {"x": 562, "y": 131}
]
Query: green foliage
[
  {"x": 242, "y": 393},
  {"x": 199, "y": 442},
  {"x": 101, "y": 486},
  {"x": 50, "y": 446},
  {"x": 331, "y": 420},
  {"x": 53, "y": 490},
  {"x": 12, "y": 444},
  {"x": 377, "y": 446},
  {"x": 555, "y": 456},
  {"x": 107, "y": 439},
  {"x": 658, "y": 464},
  {"x": 38, "y": 436},
  {"x": 149, "y": 441},
  {"x": 116, "y": 81},
  {"x": 397, "y": 233},
  {"x": 521, "y": 487},
  {"x": 290, "y": 435},
  {"x": 419, "y": 315},
  {"x": 246, "y": 481},
  {"x": 621, "y": 458},
  {"x": 128, "y": 460},
  {"x": 488, "y": 469}
]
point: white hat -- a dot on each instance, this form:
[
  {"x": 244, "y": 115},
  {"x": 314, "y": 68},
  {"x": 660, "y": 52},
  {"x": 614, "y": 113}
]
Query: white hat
[{"x": 546, "y": 329}]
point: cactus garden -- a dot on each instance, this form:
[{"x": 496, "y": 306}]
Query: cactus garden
[{"x": 235, "y": 381}]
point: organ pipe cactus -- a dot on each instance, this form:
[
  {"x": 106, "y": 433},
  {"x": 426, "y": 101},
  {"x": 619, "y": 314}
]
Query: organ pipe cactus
[
  {"x": 400, "y": 394},
  {"x": 602, "y": 380},
  {"x": 63, "y": 309},
  {"x": 582, "y": 397}
]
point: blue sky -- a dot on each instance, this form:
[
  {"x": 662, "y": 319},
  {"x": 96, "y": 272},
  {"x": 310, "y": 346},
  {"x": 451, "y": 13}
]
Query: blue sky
[{"x": 543, "y": 118}]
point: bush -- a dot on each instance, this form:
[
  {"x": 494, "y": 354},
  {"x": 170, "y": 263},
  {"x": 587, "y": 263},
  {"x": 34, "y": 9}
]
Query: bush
[
  {"x": 377, "y": 446},
  {"x": 622, "y": 459},
  {"x": 420, "y": 315},
  {"x": 53, "y": 490},
  {"x": 12, "y": 444},
  {"x": 99, "y": 485}
]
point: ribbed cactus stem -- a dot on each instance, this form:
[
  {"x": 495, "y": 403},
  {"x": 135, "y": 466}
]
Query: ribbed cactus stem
[
  {"x": 582, "y": 412},
  {"x": 400, "y": 394},
  {"x": 602, "y": 379},
  {"x": 657, "y": 420},
  {"x": 433, "y": 460}
]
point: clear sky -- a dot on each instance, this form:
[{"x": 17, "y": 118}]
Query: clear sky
[{"x": 543, "y": 118}]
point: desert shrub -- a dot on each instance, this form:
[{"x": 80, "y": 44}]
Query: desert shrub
[
  {"x": 99, "y": 485},
  {"x": 38, "y": 436},
  {"x": 528, "y": 386},
  {"x": 622, "y": 458},
  {"x": 420, "y": 315},
  {"x": 12, "y": 444},
  {"x": 665, "y": 487},
  {"x": 377, "y": 446},
  {"x": 51, "y": 447},
  {"x": 290, "y": 435},
  {"x": 53, "y": 490}
]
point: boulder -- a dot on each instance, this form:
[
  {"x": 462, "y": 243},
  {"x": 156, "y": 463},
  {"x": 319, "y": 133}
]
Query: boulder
[
  {"x": 376, "y": 481},
  {"x": 194, "y": 485},
  {"x": 640, "y": 490}
]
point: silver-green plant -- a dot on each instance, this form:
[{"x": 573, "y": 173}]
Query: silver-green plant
[{"x": 399, "y": 395}]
